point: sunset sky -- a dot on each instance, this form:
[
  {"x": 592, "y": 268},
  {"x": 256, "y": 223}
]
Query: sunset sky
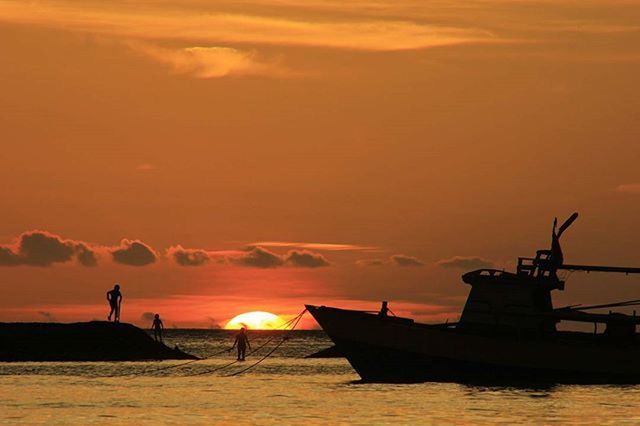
[{"x": 218, "y": 157}]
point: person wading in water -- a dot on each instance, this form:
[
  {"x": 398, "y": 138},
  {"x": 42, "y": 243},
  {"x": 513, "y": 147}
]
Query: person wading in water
[
  {"x": 242, "y": 342},
  {"x": 115, "y": 301},
  {"x": 157, "y": 327}
]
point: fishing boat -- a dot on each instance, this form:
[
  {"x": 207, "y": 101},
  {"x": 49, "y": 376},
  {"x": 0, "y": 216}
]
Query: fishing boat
[{"x": 507, "y": 332}]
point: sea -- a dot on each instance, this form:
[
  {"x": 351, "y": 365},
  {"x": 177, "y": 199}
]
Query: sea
[{"x": 278, "y": 385}]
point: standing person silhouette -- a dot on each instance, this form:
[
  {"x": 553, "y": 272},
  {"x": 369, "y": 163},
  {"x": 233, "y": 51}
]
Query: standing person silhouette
[
  {"x": 242, "y": 342},
  {"x": 115, "y": 301},
  {"x": 157, "y": 327}
]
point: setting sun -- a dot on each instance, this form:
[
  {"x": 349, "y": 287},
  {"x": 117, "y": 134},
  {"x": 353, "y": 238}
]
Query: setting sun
[{"x": 255, "y": 320}]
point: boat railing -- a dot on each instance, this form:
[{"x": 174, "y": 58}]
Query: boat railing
[
  {"x": 539, "y": 266},
  {"x": 490, "y": 272},
  {"x": 526, "y": 266}
]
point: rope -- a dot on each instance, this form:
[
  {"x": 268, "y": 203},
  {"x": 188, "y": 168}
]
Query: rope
[
  {"x": 270, "y": 352},
  {"x": 214, "y": 370},
  {"x": 296, "y": 319},
  {"x": 260, "y": 360},
  {"x": 169, "y": 367},
  {"x": 153, "y": 371}
]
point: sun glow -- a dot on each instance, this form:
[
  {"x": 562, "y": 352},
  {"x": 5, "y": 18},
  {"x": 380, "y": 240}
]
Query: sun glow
[{"x": 255, "y": 320}]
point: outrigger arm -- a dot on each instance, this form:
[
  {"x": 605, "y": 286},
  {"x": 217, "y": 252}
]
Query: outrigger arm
[{"x": 597, "y": 268}]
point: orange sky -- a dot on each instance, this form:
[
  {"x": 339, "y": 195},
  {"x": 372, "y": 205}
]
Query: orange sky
[{"x": 361, "y": 147}]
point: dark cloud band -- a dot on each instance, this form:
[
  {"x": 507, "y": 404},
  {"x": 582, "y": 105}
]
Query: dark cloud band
[{"x": 41, "y": 248}]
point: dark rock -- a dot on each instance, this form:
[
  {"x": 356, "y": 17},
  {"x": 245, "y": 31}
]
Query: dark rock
[{"x": 82, "y": 341}]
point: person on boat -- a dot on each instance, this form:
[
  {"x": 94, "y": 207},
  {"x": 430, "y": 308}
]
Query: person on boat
[
  {"x": 114, "y": 297},
  {"x": 242, "y": 342},
  {"x": 384, "y": 310},
  {"x": 157, "y": 327}
]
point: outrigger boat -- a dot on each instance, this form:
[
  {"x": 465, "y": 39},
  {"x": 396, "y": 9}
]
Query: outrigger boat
[{"x": 507, "y": 332}]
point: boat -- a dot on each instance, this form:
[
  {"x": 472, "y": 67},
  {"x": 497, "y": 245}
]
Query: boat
[{"x": 507, "y": 333}]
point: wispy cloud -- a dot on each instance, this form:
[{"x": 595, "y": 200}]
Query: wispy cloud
[
  {"x": 145, "y": 167},
  {"x": 404, "y": 260},
  {"x": 148, "y": 23},
  {"x": 630, "y": 188},
  {"x": 314, "y": 246},
  {"x": 465, "y": 262},
  {"x": 212, "y": 62},
  {"x": 370, "y": 262}
]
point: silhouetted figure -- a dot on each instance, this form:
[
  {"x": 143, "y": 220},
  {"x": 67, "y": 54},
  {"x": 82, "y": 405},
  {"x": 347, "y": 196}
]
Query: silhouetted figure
[
  {"x": 242, "y": 342},
  {"x": 115, "y": 301},
  {"x": 157, "y": 328},
  {"x": 384, "y": 310}
]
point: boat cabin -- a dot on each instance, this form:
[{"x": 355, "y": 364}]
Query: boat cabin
[{"x": 520, "y": 302}]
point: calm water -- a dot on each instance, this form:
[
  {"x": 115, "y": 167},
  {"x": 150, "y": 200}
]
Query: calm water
[{"x": 284, "y": 389}]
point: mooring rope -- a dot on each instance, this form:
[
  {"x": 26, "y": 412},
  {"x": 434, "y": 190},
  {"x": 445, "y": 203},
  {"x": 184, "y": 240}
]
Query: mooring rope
[
  {"x": 202, "y": 373},
  {"x": 297, "y": 319},
  {"x": 272, "y": 350},
  {"x": 169, "y": 367}
]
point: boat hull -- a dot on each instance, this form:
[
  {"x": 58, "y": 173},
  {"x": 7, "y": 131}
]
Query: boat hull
[{"x": 396, "y": 350}]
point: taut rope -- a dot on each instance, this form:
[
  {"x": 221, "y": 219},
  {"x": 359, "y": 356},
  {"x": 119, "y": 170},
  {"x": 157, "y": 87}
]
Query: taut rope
[{"x": 295, "y": 322}]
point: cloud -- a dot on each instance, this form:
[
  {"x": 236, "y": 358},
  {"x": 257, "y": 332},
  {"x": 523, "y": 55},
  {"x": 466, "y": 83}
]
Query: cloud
[
  {"x": 630, "y": 188},
  {"x": 258, "y": 257},
  {"x": 211, "y": 62},
  {"x": 403, "y": 260},
  {"x": 48, "y": 316},
  {"x": 133, "y": 253},
  {"x": 396, "y": 260},
  {"x": 145, "y": 167},
  {"x": 306, "y": 259},
  {"x": 8, "y": 257},
  {"x": 147, "y": 316},
  {"x": 41, "y": 248},
  {"x": 213, "y": 324},
  {"x": 314, "y": 246},
  {"x": 85, "y": 255},
  {"x": 154, "y": 23},
  {"x": 188, "y": 257},
  {"x": 370, "y": 262},
  {"x": 465, "y": 262},
  {"x": 580, "y": 26}
]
